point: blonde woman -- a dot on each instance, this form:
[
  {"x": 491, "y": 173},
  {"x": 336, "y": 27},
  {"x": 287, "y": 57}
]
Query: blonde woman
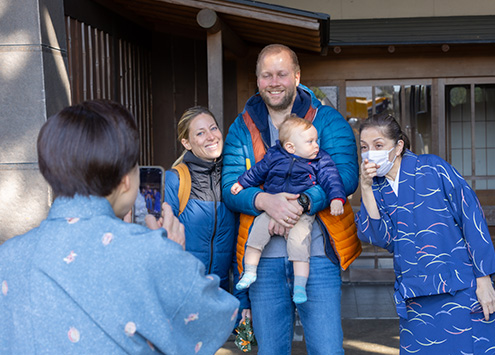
[{"x": 209, "y": 224}]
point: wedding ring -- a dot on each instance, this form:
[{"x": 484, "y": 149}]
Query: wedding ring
[{"x": 287, "y": 219}]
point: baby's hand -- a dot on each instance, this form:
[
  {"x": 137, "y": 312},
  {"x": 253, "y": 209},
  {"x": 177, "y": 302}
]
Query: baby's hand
[
  {"x": 236, "y": 188},
  {"x": 336, "y": 207}
]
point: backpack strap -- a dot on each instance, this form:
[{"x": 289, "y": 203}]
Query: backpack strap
[{"x": 184, "y": 185}]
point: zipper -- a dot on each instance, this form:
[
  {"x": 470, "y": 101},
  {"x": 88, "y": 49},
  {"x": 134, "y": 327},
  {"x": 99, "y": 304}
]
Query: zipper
[{"x": 215, "y": 199}]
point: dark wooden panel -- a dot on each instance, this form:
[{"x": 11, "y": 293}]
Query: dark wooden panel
[{"x": 102, "y": 66}]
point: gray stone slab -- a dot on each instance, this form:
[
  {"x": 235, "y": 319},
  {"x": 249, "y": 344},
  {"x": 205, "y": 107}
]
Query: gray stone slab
[
  {"x": 24, "y": 199},
  {"x": 22, "y": 98},
  {"x": 19, "y": 22}
]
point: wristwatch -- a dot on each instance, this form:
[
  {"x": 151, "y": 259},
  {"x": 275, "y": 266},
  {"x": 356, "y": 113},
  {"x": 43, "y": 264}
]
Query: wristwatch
[{"x": 303, "y": 200}]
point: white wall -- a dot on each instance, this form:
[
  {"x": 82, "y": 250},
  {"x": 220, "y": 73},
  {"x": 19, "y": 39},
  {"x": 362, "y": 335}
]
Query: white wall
[{"x": 356, "y": 9}]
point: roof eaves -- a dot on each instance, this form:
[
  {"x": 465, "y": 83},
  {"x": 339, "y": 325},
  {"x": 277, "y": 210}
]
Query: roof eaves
[
  {"x": 276, "y": 13},
  {"x": 413, "y": 31}
]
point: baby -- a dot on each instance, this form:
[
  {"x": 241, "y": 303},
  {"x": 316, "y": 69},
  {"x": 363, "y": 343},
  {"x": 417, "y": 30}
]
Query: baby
[{"x": 293, "y": 165}]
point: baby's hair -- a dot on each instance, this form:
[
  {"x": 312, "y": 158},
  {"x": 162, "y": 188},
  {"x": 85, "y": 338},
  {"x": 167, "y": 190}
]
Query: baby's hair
[
  {"x": 289, "y": 124},
  {"x": 88, "y": 148}
]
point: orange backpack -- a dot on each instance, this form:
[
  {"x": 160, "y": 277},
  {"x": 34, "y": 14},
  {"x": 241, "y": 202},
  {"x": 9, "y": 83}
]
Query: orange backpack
[{"x": 184, "y": 185}]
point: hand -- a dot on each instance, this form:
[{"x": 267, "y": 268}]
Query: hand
[
  {"x": 336, "y": 207},
  {"x": 368, "y": 172},
  {"x": 246, "y": 313},
  {"x": 486, "y": 295},
  {"x": 282, "y": 207},
  {"x": 152, "y": 222},
  {"x": 236, "y": 188},
  {"x": 275, "y": 228},
  {"x": 175, "y": 229}
]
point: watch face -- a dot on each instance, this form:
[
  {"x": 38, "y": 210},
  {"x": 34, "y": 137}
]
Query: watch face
[
  {"x": 303, "y": 199},
  {"x": 304, "y": 202}
]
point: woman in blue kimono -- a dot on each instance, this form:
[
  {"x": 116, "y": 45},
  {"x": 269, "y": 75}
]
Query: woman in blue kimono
[{"x": 421, "y": 209}]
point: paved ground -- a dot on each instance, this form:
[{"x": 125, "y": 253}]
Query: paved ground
[{"x": 369, "y": 321}]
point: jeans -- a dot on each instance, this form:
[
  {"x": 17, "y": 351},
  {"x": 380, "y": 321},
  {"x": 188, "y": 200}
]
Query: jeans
[{"x": 273, "y": 310}]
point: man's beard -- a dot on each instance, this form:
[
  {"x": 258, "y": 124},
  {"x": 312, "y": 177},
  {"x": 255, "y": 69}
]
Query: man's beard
[{"x": 284, "y": 104}]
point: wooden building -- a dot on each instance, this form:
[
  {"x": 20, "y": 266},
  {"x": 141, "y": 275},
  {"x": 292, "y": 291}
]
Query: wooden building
[{"x": 433, "y": 67}]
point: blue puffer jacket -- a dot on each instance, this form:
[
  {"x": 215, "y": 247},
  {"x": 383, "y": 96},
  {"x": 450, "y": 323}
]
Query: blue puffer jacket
[
  {"x": 210, "y": 226},
  {"x": 281, "y": 171}
]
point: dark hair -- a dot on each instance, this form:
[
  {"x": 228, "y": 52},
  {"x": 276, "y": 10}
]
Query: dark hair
[
  {"x": 276, "y": 49},
  {"x": 389, "y": 126},
  {"x": 88, "y": 148}
]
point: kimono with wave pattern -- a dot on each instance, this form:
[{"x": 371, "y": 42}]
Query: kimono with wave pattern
[{"x": 438, "y": 235}]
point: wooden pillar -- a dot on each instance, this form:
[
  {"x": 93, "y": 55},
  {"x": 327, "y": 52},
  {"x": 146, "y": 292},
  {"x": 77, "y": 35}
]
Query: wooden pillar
[
  {"x": 215, "y": 76},
  {"x": 218, "y": 34},
  {"x": 438, "y": 125}
]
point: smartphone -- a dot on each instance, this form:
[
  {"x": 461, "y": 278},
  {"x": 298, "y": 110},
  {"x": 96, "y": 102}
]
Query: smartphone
[{"x": 150, "y": 196}]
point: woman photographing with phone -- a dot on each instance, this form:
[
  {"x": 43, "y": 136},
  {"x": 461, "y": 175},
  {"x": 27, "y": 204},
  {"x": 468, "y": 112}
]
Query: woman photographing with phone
[
  {"x": 422, "y": 210},
  {"x": 209, "y": 224}
]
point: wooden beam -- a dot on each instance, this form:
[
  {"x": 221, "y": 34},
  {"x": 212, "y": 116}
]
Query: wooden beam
[{"x": 209, "y": 20}]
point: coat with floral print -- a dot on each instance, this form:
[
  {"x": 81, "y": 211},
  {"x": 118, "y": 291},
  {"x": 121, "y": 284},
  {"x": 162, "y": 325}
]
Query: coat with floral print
[{"x": 85, "y": 282}]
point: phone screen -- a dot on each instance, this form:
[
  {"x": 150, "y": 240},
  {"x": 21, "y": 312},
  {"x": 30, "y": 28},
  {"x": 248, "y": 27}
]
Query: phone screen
[{"x": 150, "y": 197}]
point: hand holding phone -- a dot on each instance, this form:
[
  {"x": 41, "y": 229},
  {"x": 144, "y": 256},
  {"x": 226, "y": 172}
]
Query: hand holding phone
[{"x": 168, "y": 221}]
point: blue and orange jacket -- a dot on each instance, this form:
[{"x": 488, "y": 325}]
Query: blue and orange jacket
[{"x": 247, "y": 142}]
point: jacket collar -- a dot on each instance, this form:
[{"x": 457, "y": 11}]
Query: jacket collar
[
  {"x": 196, "y": 164},
  {"x": 256, "y": 108}
]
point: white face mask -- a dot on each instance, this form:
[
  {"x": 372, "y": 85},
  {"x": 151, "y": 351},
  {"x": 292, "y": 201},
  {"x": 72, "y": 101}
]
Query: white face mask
[{"x": 380, "y": 157}]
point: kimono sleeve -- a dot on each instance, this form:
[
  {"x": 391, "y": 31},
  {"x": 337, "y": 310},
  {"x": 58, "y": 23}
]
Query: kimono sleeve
[
  {"x": 469, "y": 215},
  {"x": 202, "y": 315},
  {"x": 378, "y": 232},
  {"x": 207, "y": 316}
]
